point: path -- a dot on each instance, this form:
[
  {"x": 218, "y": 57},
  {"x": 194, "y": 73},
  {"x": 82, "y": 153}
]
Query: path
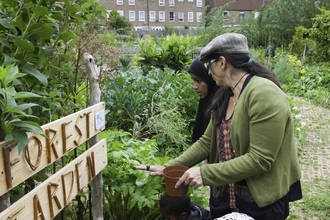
[{"x": 315, "y": 154}]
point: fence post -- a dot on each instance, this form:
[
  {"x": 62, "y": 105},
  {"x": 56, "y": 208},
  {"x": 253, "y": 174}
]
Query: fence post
[{"x": 95, "y": 97}]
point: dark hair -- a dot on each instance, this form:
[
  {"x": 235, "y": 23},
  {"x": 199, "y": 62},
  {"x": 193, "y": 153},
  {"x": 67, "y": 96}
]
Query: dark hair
[
  {"x": 175, "y": 205},
  {"x": 238, "y": 61}
]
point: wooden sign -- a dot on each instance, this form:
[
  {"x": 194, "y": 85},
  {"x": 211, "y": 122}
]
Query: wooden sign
[
  {"x": 51, "y": 196},
  {"x": 64, "y": 135}
]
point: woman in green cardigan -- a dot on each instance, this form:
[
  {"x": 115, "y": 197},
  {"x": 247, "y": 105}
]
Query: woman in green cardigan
[{"x": 249, "y": 143}]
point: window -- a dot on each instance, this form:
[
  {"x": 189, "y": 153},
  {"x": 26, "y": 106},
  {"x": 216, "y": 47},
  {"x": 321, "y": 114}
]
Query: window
[
  {"x": 241, "y": 15},
  {"x": 180, "y": 0},
  {"x": 171, "y": 16},
  {"x": 180, "y": 16},
  {"x": 121, "y": 13},
  {"x": 190, "y": 16},
  {"x": 190, "y": 0},
  {"x": 161, "y": 2},
  {"x": 225, "y": 14},
  {"x": 141, "y": 16},
  {"x": 162, "y": 16},
  {"x": 119, "y": 2},
  {"x": 171, "y": 2},
  {"x": 199, "y": 3},
  {"x": 199, "y": 16},
  {"x": 131, "y": 15},
  {"x": 131, "y": 2},
  {"x": 152, "y": 15}
]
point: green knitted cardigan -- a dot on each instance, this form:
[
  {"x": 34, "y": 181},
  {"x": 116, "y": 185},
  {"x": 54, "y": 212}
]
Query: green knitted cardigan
[{"x": 262, "y": 136}]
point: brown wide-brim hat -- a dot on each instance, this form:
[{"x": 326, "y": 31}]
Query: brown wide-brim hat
[{"x": 225, "y": 43}]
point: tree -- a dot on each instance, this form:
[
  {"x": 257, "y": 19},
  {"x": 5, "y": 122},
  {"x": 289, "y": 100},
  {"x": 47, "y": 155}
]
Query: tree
[
  {"x": 39, "y": 40},
  {"x": 212, "y": 24},
  {"x": 277, "y": 22},
  {"x": 116, "y": 21},
  {"x": 320, "y": 32}
]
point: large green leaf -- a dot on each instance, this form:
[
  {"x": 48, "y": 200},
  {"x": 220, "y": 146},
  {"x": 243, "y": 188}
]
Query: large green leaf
[
  {"x": 44, "y": 32},
  {"x": 13, "y": 110},
  {"x": 67, "y": 36},
  {"x": 13, "y": 74},
  {"x": 34, "y": 72},
  {"x": 24, "y": 44},
  {"x": 40, "y": 11},
  {"x": 23, "y": 95},
  {"x": 18, "y": 22},
  {"x": 9, "y": 60},
  {"x": 25, "y": 106},
  {"x": 3, "y": 41},
  {"x": 29, "y": 126},
  {"x": 21, "y": 138},
  {"x": 5, "y": 23}
]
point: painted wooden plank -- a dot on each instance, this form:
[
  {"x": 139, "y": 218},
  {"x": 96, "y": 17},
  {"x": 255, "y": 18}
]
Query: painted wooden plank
[
  {"x": 52, "y": 195},
  {"x": 64, "y": 134}
]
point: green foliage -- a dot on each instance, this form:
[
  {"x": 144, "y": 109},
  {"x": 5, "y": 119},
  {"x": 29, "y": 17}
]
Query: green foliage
[
  {"x": 286, "y": 67},
  {"x": 277, "y": 21},
  {"x": 129, "y": 193},
  {"x": 116, "y": 21},
  {"x": 299, "y": 41},
  {"x": 15, "y": 110},
  {"x": 133, "y": 194},
  {"x": 169, "y": 28},
  {"x": 161, "y": 103},
  {"x": 39, "y": 37},
  {"x": 121, "y": 31},
  {"x": 171, "y": 51},
  {"x": 319, "y": 33},
  {"x": 212, "y": 24},
  {"x": 312, "y": 82}
]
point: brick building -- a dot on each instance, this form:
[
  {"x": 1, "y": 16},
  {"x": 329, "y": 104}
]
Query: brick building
[{"x": 155, "y": 14}]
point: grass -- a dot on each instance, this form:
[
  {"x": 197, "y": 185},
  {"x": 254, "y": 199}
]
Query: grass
[{"x": 315, "y": 203}]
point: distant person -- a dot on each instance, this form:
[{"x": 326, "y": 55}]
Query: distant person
[
  {"x": 270, "y": 51},
  {"x": 181, "y": 208},
  {"x": 205, "y": 87}
]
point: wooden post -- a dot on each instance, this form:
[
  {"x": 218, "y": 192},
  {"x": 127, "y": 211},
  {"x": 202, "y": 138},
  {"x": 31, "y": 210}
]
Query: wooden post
[
  {"x": 5, "y": 198},
  {"x": 95, "y": 97}
]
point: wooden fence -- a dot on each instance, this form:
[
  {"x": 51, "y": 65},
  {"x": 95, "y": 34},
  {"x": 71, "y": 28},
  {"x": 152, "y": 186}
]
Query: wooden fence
[{"x": 48, "y": 198}]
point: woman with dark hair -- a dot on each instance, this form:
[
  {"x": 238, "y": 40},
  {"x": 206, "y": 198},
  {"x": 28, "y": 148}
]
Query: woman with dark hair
[
  {"x": 253, "y": 166},
  {"x": 205, "y": 87}
]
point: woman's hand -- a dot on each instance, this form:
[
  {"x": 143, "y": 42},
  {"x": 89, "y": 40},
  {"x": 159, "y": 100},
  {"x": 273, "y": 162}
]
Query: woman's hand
[
  {"x": 191, "y": 177},
  {"x": 155, "y": 170}
]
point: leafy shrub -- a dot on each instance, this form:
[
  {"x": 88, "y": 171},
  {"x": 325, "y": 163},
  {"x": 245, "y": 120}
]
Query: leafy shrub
[
  {"x": 121, "y": 31},
  {"x": 312, "y": 82},
  {"x": 116, "y": 21},
  {"x": 287, "y": 67},
  {"x": 161, "y": 103},
  {"x": 14, "y": 117},
  {"x": 129, "y": 193},
  {"x": 172, "y": 51},
  {"x": 133, "y": 194}
]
